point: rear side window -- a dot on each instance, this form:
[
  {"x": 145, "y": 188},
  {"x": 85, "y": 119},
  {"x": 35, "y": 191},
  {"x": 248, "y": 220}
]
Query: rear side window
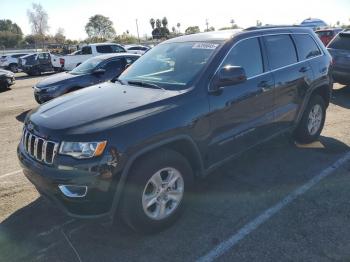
[
  {"x": 86, "y": 50},
  {"x": 246, "y": 54},
  {"x": 280, "y": 50},
  {"x": 306, "y": 46},
  {"x": 117, "y": 49},
  {"x": 104, "y": 49},
  {"x": 18, "y": 55},
  {"x": 342, "y": 41}
]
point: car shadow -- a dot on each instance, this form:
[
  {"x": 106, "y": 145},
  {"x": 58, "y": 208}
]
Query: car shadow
[
  {"x": 3, "y": 90},
  {"x": 341, "y": 97},
  {"x": 23, "y": 76},
  {"x": 228, "y": 198},
  {"x": 22, "y": 116}
]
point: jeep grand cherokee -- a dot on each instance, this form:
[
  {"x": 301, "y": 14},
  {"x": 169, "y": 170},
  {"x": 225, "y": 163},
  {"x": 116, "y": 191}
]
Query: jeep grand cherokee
[{"x": 184, "y": 108}]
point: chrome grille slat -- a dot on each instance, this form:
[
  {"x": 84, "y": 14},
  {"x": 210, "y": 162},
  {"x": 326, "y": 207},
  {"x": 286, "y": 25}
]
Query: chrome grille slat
[{"x": 32, "y": 144}]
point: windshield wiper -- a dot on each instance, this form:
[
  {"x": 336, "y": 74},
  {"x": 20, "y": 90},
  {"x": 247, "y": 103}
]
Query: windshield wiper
[
  {"x": 145, "y": 84},
  {"x": 117, "y": 80}
]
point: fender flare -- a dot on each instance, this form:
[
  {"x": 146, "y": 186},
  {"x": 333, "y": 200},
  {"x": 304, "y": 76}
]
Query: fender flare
[{"x": 123, "y": 178}]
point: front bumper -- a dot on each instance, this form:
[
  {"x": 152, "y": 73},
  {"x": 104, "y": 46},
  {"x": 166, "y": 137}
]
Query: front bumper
[
  {"x": 41, "y": 98},
  {"x": 97, "y": 177}
]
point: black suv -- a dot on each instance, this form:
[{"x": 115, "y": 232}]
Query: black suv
[{"x": 184, "y": 108}]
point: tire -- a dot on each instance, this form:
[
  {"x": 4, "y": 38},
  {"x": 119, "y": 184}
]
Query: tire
[
  {"x": 13, "y": 68},
  {"x": 139, "y": 188},
  {"x": 304, "y": 133}
]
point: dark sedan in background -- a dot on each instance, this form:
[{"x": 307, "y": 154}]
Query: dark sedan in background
[
  {"x": 7, "y": 78},
  {"x": 93, "y": 71},
  {"x": 339, "y": 48}
]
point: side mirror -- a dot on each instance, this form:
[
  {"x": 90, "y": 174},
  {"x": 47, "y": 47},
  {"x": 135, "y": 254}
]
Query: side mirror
[
  {"x": 99, "y": 71},
  {"x": 228, "y": 76}
]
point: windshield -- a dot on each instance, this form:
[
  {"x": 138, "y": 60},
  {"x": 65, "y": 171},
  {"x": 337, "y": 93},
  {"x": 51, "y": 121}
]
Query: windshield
[
  {"x": 342, "y": 41},
  {"x": 172, "y": 65},
  {"x": 87, "y": 67}
]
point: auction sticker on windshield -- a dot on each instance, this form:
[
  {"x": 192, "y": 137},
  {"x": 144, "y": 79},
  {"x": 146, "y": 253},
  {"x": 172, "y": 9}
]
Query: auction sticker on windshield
[{"x": 204, "y": 46}]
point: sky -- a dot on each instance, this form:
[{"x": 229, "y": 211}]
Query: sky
[{"x": 72, "y": 15}]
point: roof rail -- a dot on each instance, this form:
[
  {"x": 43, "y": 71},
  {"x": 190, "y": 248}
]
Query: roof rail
[{"x": 269, "y": 27}]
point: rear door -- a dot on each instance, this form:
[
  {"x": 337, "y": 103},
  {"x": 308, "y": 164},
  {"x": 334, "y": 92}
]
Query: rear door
[
  {"x": 242, "y": 114},
  {"x": 292, "y": 78},
  {"x": 339, "y": 48}
]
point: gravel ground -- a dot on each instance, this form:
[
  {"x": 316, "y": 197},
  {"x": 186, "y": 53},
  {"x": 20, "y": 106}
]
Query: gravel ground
[{"x": 312, "y": 228}]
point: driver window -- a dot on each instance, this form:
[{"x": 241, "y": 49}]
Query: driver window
[{"x": 246, "y": 54}]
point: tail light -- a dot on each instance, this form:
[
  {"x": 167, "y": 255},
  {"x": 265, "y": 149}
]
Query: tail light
[{"x": 61, "y": 61}]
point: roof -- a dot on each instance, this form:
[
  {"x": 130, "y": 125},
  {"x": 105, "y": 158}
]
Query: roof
[
  {"x": 98, "y": 44},
  {"x": 108, "y": 56},
  {"x": 207, "y": 36}
]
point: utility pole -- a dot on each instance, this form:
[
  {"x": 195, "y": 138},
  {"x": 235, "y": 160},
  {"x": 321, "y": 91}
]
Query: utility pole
[{"x": 138, "y": 35}]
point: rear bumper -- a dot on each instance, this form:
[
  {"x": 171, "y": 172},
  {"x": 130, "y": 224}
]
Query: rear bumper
[{"x": 100, "y": 185}]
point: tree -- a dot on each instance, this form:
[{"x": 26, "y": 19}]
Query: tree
[
  {"x": 59, "y": 36},
  {"x": 100, "y": 27},
  {"x": 165, "y": 22},
  {"x": 258, "y": 23},
  {"x": 173, "y": 29},
  {"x": 158, "y": 23},
  {"x": 38, "y": 19},
  {"x": 152, "y": 22},
  {"x": 178, "y": 26},
  {"x": 192, "y": 30},
  {"x": 10, "y": 33}
]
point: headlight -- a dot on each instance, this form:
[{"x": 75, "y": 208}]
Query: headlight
[
  {"x": 51, "y": 88},
  {"x": 82, "y": 150}
]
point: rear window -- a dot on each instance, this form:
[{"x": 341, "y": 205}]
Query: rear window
[
  {"x": 104, "y": 49},
  {"x": 325, "y": 33},
  {"x": 86, "y": 50},
  {"x": 342, "y": 41},
  {"x": 281, "y": 51},
  {"x": 307, "y": 48}
]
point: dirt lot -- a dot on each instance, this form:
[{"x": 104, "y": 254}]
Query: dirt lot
[{"x": 245, "y": 211}]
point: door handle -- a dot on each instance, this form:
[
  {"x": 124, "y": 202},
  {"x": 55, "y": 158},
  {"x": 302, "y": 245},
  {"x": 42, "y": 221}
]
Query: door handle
[
  {"x": 265, "y": 86},
  {"x": 304, "y": 69}
]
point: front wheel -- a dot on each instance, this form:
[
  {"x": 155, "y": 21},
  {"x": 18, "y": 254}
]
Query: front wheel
[
  {"x": 312, "y": 122},
  {"x": 155, "y": 192}
]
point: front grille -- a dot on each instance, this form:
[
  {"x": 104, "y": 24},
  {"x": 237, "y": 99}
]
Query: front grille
[{"x": 38, "y": 148}]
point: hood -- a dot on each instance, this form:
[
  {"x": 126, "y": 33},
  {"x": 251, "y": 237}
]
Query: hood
[
  {"x": 57, "y": 79},
  {"x": 98, "y": 108},
  {"x": 6, "y": 72}
]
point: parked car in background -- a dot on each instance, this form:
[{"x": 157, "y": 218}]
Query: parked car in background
[
  {"x": 80, "y": 56},
  {"x": 313, "y": 23},
  {"x": 326, "y": 35},
  {"x": 38, "y": 63},
  {"x": 339, "y": 48},
  {"x": 137, "y": 49},
  {"x": 93, "y": 71},
  {"x": 183, "y": 109},
  {"x": 10, "y": 61},
  {"x": 7, "y": 78}
]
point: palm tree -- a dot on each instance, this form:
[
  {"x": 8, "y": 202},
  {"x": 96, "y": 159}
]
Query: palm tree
[
  {"x": 165, "y": 22},
  {"x": 152, "y": 22},
  {"x": 178, "y": 26},
  {"x": 158, "y": 23},
  {"x": 174, "y": 29}
]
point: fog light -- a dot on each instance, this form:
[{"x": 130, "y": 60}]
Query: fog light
[{"x": 73, "y": 191}]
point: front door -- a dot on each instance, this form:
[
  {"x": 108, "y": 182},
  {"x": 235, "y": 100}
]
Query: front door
[{"x": 242, "y": 114}]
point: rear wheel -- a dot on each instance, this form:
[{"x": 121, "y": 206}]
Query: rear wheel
[
  {"x": 13, "y": 68},
  {"x": 312, "y": 122},
  {"x": 155, "y": 192}
]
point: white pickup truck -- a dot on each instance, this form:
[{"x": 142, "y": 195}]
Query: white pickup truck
[{"x": 73, "y": 60}]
